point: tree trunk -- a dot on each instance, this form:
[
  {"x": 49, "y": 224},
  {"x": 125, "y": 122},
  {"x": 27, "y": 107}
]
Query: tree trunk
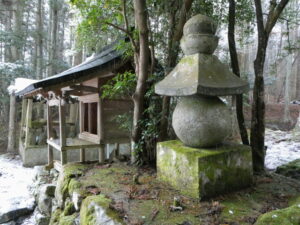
[
  {"x": 258, "y": 104},
  {"x": 39, "y": 41},
  {"x": 175, "y": 34},
  {"x": 141, "y": 16},
  {"x": 236, "y": 71},
  {"x": 11, "y": 148},
  {"x": 53, "y": 34}
]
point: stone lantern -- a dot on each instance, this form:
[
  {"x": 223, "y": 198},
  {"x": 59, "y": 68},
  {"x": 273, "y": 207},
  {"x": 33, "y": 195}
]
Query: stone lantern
[{"x": 200, "y": 164}]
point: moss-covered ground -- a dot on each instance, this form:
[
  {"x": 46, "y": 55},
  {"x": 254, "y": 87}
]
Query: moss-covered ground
[{"x": 144, "y": 200}]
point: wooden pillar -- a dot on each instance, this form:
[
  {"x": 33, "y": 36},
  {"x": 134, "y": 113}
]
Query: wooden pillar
[
  {"x": 117, "y": 151},
  {"x": 62, "y": 131},
  {"x": 28, "y": 122},
  {"x": 22, "y": 124},
  {"x": 100, "y": 115},
  {"x": 12, "y": 125},
  {"x": 82, "y": 155},
  {"x": 49, "y": 135},
  {"x": 90, "y": 121},
  {"x": 81, "y": 116}
]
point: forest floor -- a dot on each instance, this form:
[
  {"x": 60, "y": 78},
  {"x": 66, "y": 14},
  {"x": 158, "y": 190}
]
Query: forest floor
[{"x": 150, "y": 201}]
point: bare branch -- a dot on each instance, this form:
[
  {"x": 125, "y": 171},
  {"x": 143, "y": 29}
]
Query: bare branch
[{"x": 274, "y": 15}]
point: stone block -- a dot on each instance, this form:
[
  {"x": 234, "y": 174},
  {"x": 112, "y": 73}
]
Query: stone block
[{"x": 204, "y": 173}]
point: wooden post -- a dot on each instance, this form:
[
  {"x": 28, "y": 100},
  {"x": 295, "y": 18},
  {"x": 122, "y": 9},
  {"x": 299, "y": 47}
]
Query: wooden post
[
  {"x": 117, "y": 151},
  {"x": 12, "y": 125},
  {"x": 62, "y": 131},
  {"x": 100, "y": 115},
  {"x": 49, "y": 136},
  {"x": 82, "y": 155},
  {"x": 28, "y": 122},
  {"x": 81, "y": 117},
  {"x": 90, "y": 124},
  {"x": 22, "y": 124}
]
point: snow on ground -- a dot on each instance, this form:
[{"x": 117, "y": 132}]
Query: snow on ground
[
  {"x": 281, "y": 149},
  {"x": 14, "y": 182}
]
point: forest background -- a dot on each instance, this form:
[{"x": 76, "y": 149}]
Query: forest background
[{"x": 40, "y": 38}]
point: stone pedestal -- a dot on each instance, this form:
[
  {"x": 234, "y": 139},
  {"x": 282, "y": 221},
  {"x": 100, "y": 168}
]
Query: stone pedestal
[{"x": 204, "y": 173}]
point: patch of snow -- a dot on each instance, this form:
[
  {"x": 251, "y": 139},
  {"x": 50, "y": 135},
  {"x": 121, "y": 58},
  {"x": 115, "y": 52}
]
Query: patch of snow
[
  {"x": 14, "y": 184},
  {"x": 281, "y": 149},
  {"x": 20, "y": 84}
]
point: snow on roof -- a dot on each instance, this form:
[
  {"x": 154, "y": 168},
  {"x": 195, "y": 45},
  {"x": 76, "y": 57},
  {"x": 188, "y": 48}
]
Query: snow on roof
[{"x": 20, "y": 84}]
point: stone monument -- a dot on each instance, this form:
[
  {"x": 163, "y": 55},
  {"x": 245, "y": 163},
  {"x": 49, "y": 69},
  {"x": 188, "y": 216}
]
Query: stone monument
[{"x": 201, "y": 165}]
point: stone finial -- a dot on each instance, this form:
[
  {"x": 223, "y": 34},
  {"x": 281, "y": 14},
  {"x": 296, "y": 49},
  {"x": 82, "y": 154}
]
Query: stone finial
[
  {"x": 199, "y": 36},
  {"x": 200, "y": 72}
]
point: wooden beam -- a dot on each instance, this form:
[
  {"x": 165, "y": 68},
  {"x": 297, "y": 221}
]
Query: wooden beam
[
  {"x": 28, "y": 122},
  {"x": 85, "y": 88},
  {"x": 75, "y": 93}
]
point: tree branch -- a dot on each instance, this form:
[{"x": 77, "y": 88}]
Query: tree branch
[{"x": 274, "y": 15}]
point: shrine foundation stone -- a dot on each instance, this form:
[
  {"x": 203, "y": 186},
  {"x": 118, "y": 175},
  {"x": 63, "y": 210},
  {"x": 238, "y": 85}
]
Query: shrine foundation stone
[{"x": 204, "y": 173}]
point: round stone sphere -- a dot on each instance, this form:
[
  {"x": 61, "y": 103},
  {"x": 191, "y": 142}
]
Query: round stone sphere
[
  {"x": 194, "y": 43},
  {"x": 199, "y": 24},
  {"x": 201, "y": 121}
]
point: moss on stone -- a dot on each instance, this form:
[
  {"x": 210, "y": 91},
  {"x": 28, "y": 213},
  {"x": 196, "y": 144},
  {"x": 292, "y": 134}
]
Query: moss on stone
[
  {"x": 204, "y": 172},
  {"x": 291, "y": 169},
  {"x": 55, "y": 216},
  {"x": 286, "y": 216},
  {"x": 70, "y": 172},
  {"x": 69, "y": 209},
  {"x": 88, "y": 209},
  {"x": 68, "y": 220}
]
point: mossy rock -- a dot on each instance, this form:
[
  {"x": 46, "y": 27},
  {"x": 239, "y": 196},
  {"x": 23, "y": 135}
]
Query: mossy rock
[
  {"x": 68, "y": 220},
  {"x": 95, "y": 211},
  {"x": 291, "y": 169},
  {"x": 203, "y": 172},
  {"x": 55, "y": 217},
  {"x": 69, "y": 209},
  {"x": 70, "y": 171},
  {"x": 286, "y": 216}
]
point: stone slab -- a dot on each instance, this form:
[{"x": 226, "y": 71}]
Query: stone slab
[{"x": 204, "y": 173}]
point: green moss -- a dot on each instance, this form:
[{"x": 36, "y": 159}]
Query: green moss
[
  {"x": 204, "y": 172},
  {"x": 291, "y": 169},
  {"x": 68, "y": 176},
  {"x": 69, "y": 209},
  {"x": 68, "y": 220},
  {"x": 87, "y": 211},
  {"x": 286, "y": 216},
  {"x": 55, "y": 217}
]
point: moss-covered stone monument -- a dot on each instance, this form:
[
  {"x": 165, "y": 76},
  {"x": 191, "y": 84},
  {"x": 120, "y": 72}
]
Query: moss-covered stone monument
[{"x": 200, "y": 165}]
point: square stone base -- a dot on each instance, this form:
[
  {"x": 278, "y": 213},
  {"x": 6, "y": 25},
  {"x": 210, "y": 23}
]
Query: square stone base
[{"x": 204, "y": 173}]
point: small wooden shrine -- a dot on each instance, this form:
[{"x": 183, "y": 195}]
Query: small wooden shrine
[{"x": 97, "y": 125}]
